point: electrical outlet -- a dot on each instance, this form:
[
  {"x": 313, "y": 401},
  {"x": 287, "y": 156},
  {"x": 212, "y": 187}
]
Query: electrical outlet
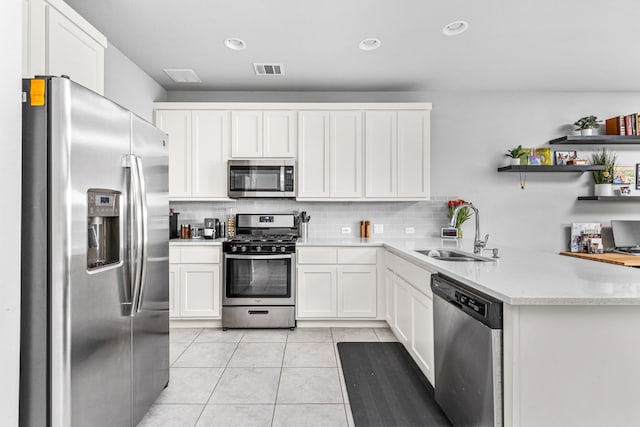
[
  {"x": 409, "y": 230},
  {"x": 346, "y": 230},
  {"x": 378, "y": 228}
]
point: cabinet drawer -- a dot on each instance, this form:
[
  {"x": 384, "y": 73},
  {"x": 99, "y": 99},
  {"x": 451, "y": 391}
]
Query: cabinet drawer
[
  {"x": 317, "y": 255},
  {"x": 174, "y": 255},
  {"x": 200, "y": 255},
  {"x": 357, "y": 255},
  {"x": 416, "y": 276},
  {"x": 390, "y": 260}
]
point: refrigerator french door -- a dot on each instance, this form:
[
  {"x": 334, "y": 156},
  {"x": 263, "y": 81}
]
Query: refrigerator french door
[{"x": 94, "y": 339}]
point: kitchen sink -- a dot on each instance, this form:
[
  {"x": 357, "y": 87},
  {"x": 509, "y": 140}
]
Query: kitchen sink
[{"x": 453, "y": 255}]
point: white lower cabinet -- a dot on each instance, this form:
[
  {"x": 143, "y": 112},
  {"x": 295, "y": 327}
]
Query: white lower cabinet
[
  {"x": 199, "y": 290},
  {"x": 194, "y": 282},
  {"x": 357, "y": 289},
  {"x": 337, "y": 283},
  {"x": 317, "y": 289},
  {"x": 402, "y": 310},
  {"x": 412, "y": 313}
]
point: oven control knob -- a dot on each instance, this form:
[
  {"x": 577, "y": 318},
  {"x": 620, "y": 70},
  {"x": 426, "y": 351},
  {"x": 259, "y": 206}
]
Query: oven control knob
[
  {"x": 283, "y": 249},
  {"x": 273, "y": 248},
  {"x": 258, "y": 249},
  {"x": 234, "y": 248},
  {"x": 243, "y": 249}
]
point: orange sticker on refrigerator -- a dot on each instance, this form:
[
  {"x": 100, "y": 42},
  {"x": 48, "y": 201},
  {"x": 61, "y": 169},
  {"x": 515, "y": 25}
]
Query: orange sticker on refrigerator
[{"x": 37, "y": 92}]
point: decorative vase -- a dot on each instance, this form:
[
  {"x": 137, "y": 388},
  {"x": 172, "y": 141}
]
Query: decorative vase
[
  {"x": 602, "y": 190},
  {"x": 514, "y": 162},
  {"x": 459, "y": 232},
  {"x": 587, "y": 132}
]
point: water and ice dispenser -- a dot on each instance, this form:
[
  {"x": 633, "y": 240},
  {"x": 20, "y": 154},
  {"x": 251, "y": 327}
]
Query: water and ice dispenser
[{"x": 103, "y": 228}]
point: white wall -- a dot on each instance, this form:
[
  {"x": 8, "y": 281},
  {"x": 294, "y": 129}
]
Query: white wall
[
  {"x": 470, "y": 132},
  {"x": 10, "y": 150},
  {"x": 129, "y": 86}
]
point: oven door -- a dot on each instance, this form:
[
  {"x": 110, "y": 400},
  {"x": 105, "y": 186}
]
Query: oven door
[
  {"x": 259, "y": 279},
  {"x": 256, "y": 181}
]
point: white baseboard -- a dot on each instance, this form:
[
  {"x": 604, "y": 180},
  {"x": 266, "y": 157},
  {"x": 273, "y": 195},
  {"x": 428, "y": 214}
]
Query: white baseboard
[
  {"x": 195, "y": 323},
  {"x": 342, "y": 324}
]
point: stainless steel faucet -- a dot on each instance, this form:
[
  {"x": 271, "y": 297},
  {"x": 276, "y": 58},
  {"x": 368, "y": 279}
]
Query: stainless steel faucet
[{"x": 478, "y": 244}]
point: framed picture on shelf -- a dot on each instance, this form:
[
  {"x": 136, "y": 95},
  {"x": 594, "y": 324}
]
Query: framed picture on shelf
[
  {"x": 562, "y": 157},
  {"x": 637, "y": 176},
  {"x": 625, "y": 175}
]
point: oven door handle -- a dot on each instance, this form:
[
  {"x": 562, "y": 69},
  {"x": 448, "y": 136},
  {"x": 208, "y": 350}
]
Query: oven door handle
[{"x": 252, "y": 256}]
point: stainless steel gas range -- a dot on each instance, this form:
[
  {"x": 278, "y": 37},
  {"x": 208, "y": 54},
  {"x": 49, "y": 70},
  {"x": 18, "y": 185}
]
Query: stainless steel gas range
[{"x": 259, "y": 272}]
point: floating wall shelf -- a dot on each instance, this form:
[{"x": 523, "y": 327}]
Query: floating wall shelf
[
  {"x": 553, "y": 168},
  {"x": 597, "y": 140},
  {"x": 611, "y": 198}
]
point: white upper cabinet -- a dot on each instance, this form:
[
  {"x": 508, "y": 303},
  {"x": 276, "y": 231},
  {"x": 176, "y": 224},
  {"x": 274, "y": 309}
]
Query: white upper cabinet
[
  {"x": 198, "y": 152},
  {"x": 263, "y": 134},
  {"x": 313, "y": 154},
  {"x": 330, "y": 154},
  {"x": 413, "y": 154},
  {"x": 177, "y": 124},
  {"x": 279, "y": 136},
  {"x": 397, "y": 154},
  {"x": 58, "y": 41},
  {"x": 246, "y": 134},
  {"x": 381, "y": 141},
  {"x": 346, "y": 154}
]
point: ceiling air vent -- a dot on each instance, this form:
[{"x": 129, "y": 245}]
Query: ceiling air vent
[{"x": 269, "y": 69}]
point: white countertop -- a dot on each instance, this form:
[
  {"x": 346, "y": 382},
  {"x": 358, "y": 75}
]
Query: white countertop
[
  {"x": 520, "y": 276},
  {"x": 188, "y": 242}
]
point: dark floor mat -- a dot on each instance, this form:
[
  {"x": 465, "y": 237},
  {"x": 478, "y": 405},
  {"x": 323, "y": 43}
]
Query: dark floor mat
[{"x": 386, "y": 387}]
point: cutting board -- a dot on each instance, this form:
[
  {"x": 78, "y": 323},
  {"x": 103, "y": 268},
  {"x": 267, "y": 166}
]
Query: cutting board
[{"x": 611, "y": 258}]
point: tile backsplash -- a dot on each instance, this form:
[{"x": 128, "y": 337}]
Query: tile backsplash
[{"x": 328, "y": 218}]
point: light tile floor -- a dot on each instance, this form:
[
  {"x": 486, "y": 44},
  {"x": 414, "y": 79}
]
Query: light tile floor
[{"x": 257, "y": 378}]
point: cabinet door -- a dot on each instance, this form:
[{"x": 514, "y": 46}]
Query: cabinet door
[
  {"x": 209, "y": 153},
  {"x": 174, "y": 290},
  {"x": 402, "y": 310},
  {"x": 246, "y": 134},
  {"x": 422, "y": 333},
  {"x": 316, "y": 291},
  {"x": 380, "y": 138},
  {"x": 71, "y": 51},
  {"x": 346, "y": 154},
  {"x": 413, "y": 154},
  {"x": 389, "y": 297},
  {"x": 357, "y": 291},
  {"x": 313, "y": 154},
  {"x": 177, "y": 124},
  {"x": 199, "y": 290},
  {"x": 279, "y": 136}
]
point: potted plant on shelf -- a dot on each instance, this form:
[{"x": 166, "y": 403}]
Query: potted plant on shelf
[
  {"x": 603, "y": 179},
  {"x": 463, "y": 215},
  {"x": 587, "y": 124},
  {"x": 514, "y": 155}
]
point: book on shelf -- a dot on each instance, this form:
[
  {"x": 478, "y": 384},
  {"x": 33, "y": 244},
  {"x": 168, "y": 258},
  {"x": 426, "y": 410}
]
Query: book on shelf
[
  {"x": 615, "y": 126},
  {"x": 623, "y": 125},
  {"x": 577, "y": 162}
]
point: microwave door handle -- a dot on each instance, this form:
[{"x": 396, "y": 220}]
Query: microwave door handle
[
  {"x": 282, "y": 174},
  {"x": 143, "y": 221}
]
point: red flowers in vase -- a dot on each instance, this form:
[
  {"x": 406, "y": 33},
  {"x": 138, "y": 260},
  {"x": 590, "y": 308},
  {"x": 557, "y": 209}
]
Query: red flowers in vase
[{"x": 463, "y": 214}]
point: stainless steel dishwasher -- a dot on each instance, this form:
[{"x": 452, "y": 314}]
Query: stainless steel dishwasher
[{"x": 468, "y": 353}]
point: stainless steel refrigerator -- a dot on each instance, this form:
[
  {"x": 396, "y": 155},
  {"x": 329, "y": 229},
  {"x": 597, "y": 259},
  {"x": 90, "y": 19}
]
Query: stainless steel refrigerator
[{"x": 95, "y": 259}]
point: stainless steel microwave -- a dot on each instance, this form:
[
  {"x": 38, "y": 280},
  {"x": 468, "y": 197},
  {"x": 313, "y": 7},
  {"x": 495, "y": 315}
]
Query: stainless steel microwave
[{"x": 261, "y": 178}]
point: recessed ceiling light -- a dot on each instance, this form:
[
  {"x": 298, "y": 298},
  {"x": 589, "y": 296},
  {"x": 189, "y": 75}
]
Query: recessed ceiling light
[
  {"x": 454, "y": 28},
  {"x": 235, "y": 44},
  {"x": 369, "y": 44},
  {"x": 182, "y": 75}
]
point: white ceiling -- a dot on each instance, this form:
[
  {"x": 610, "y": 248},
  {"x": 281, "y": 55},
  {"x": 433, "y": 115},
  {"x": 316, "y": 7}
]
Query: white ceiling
[{"x": 570, "y": 45}]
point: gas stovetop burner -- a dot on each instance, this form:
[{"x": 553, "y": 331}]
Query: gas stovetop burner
[{"x": 256, "y": 238}]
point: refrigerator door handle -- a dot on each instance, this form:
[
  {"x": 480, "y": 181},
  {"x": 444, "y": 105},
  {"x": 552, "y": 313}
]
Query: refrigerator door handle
[
  {"x": 136, "y": 239},
  {"x": 143, "y": 221}
]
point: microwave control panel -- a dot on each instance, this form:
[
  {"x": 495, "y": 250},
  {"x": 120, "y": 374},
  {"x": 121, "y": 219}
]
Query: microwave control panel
[{"x": 288, "y": 178}]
